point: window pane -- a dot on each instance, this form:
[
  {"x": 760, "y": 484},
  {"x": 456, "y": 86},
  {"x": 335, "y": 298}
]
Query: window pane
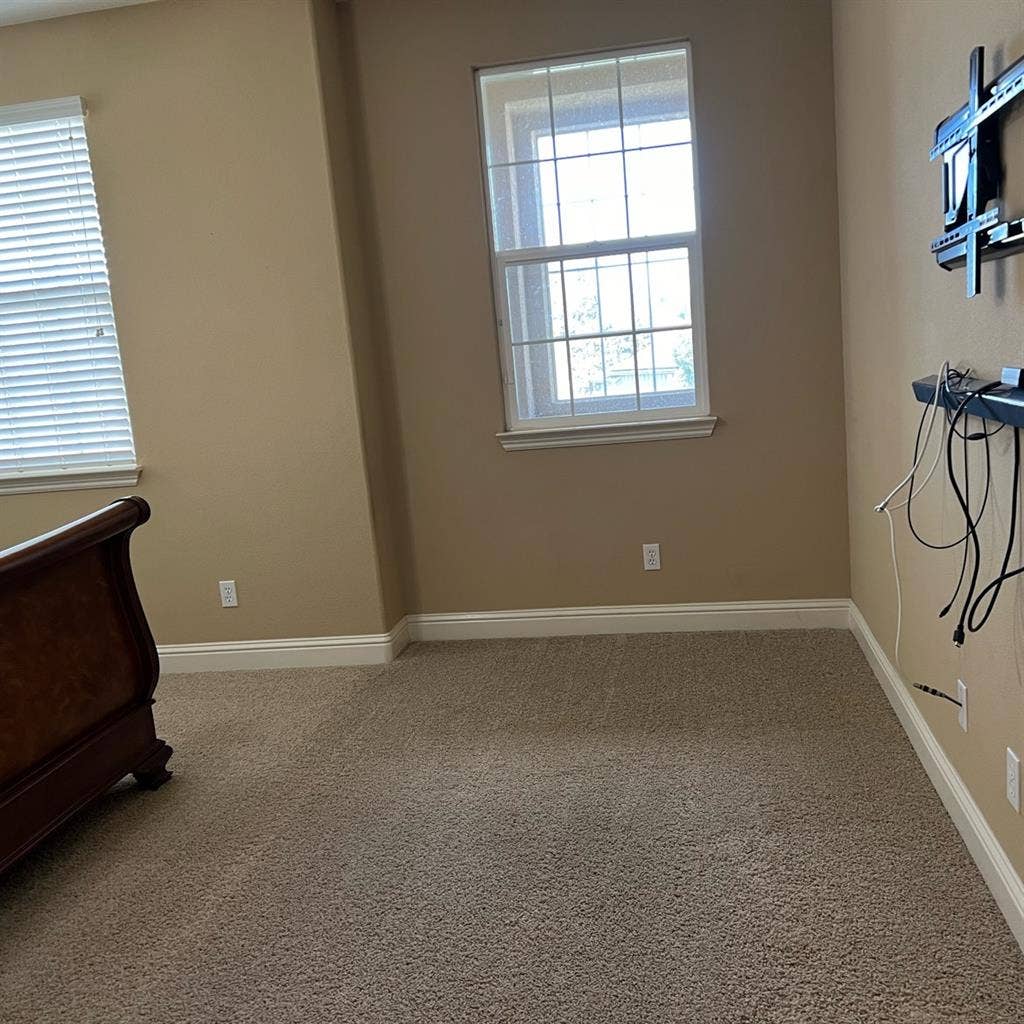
[
  {"x": 667, "y": 376},
  {"x": 655, "y": 98},
  {"x": 585, "y": 99},
  {"x": 603, "y": 375},
  {"x": 597, "y": 294},
  {"x": 661, "y": 288},
  {"x": 542, "y": 379},
  {"x": 661, "y": 197},
  {"x": 535, "y": 301},
  {"x": 516, "y": 110},
  {"x": 523, "y": 207},
  {"x": 587, "y": 369},
  {"x": 620, "y": 367},
  {"x": 656, "y": 133},
  {"x": 592, "y": 196}
]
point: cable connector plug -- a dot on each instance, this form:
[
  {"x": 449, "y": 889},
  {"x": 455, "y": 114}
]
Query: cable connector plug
[
  {"x": 958, "y": 636},
  {"x": 937, "y": 693}
]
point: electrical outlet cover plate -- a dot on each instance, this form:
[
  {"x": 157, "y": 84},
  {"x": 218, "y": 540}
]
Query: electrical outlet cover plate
[
  {"x": 652, "y": 556},
  {"x": 228, "y": 594},
  {"x": 961, "y": 695},
  {"x": 1013, "y": 779}
]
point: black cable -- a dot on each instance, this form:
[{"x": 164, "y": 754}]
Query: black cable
[
  {"x": 952, "y": 388},
  {"x": 951, "y": 378},
  {"x": 985, "y": 402},
  {"x": 910, "y": 494},
  {"x": 997, "y": 584},
  {"x": 981, "y": 435},
  {"x": 972, "y": 529},
  {"x": 951, "y": 421},
  {"x": 1001, "y": 580},
  {"x": 972, "y": 524},
  {"x": 967, "y": 488},
  {"x": 960, "y": 378}
]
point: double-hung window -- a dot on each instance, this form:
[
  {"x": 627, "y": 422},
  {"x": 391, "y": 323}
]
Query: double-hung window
[
  {"x": 63, "y": 411},
  {"x": 595, "y": 237}
]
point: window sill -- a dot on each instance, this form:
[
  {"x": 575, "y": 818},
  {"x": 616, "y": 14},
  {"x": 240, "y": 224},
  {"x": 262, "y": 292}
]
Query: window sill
[
  {"x": 607, "y": 433},
  {"x": 79, "y": 480}
]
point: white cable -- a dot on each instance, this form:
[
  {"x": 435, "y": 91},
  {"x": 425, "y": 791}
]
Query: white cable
[
  {"x": 899, "y": 588},
  {"x": 939, "y": 452},
  {"x": 939, "y": 381},
  {"x": 883, "y": 506}
]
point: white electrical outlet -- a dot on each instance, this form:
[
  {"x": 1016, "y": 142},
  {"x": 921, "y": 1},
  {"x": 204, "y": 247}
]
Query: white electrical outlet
[
  {"x": 652, "y": 556},
  {"x": 1013, "y": 779},
  {"x": 961, "y": 695},
  {"x": 228, "y": 594}
]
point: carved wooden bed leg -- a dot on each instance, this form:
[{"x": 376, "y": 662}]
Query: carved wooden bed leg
[{"x": 153, "y": 772}]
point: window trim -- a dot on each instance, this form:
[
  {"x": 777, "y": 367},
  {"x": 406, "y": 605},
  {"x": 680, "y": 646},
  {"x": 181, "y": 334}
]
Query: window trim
[
  {"x": 607, "y": 433},
  {"x": 77, "y": 479},
  {"x": 638, "y": 424}
]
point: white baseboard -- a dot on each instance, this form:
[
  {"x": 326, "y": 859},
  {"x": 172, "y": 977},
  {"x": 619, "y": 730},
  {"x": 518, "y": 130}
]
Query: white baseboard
[
  {"x": 380, "y": 648},
  {"x": 300, "y": 652},
  {"x": 1003, "y": 881},
  {"x": 831, "y": 613}
]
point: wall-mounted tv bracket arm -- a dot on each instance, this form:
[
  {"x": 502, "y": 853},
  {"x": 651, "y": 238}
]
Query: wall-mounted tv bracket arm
[{"x": 969, "y": 143}]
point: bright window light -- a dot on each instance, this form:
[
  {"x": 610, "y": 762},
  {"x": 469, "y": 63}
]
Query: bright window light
[
  {"x": 63, "y": 409},
  {"x": 595, "y": 237}
]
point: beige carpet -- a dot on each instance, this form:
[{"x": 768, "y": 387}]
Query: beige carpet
[{"x": 710, "y": 827}]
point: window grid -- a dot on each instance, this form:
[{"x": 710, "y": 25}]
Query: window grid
[
  {"x": 629, "y": 233},
  {"x": 558, "y": 215},
  {"x": 580, "y": 156},
  {"x": 635, "y": 265},
  {"x": 649, "y": 329},
  {"x": 506, "y": 259},
  {"x": 568, "y": 346}
]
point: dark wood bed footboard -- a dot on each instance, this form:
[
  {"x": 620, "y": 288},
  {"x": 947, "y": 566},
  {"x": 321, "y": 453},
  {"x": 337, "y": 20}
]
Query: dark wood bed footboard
[{"x": 78, "y": 668}]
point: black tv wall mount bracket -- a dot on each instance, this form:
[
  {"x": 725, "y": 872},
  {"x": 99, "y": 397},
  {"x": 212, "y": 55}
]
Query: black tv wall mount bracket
[{"x": 969, "y": 143}]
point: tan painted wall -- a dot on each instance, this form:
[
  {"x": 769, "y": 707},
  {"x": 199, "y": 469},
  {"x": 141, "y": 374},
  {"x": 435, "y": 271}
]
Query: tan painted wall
[
  {"x": 756, "y": 511},
  {"x": 900, "y": 68},
  {"x": 208, "y": 144},
  {"x": 251, "y": 279},
  {"x": 357, "y": 238}
]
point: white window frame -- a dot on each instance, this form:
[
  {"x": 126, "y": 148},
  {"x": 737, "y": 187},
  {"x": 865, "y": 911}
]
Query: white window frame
[
  {"x": 611, "y": 427},
  {"x": 78, "y": 477}
]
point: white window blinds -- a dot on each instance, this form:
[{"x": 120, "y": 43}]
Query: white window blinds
[{"x": 63, "y": 410}]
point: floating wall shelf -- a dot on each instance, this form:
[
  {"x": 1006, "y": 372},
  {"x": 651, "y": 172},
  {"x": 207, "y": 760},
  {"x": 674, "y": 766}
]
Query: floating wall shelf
[{"x": 1002, "y": 405}]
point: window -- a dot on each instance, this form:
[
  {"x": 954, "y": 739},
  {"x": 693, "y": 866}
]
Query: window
[
  {"x": 63, "y": 411},
  {"x": 595, "y": 239}
]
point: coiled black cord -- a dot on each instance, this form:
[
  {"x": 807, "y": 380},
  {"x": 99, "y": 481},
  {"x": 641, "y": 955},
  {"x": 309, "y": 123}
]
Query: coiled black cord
[
  {"x": 972, "y": 604},
  {"x": 952, "y": 420},
  {"x": 997, "y": 584},
  {"x": 964, "y": 502}
]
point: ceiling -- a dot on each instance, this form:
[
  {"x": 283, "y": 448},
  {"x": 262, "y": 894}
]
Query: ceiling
[{"x": 14, "y": 12}]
